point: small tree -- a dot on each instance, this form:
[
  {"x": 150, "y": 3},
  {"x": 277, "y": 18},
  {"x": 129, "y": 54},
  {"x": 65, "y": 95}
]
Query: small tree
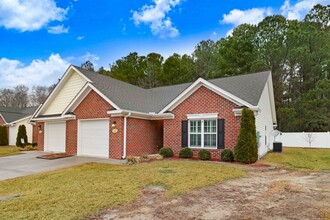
[
  {"x": 246, "y": 149},
  {"x": 3, "y": 136},
  {"x": 21, "y": 134}
]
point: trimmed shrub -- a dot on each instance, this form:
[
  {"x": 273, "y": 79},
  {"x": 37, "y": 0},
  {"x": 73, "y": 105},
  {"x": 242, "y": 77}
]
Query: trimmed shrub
[
  {"x": 35, "y": 144},
  {"x": 186, "y": 153},
  {"x": 3, "y": 136},
  {"x": 246, "y": 149},
  {"x": 227, "y": 155},
  {"x": 21, "y": 134},
  {"x": 166, "y": 152},
  {"x": 204, "y": 154}
]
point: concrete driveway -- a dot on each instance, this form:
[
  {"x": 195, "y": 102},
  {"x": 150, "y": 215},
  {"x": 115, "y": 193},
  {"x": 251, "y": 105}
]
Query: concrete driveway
[{"x": 27, "y": 163}]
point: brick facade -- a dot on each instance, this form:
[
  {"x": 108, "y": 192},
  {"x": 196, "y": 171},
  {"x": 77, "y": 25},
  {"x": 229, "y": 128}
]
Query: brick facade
[
  {"x": 2, "y": 122},
  {"x": 93, "y": 106},
  {"x": 41, "y": 135},
  {"x": 143, "y": 136},
  {"x": 202, "y": 101},
  {"x": 34, "y": 133}
]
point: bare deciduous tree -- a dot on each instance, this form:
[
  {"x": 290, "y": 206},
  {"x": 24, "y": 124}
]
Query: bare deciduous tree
[
  {"x": 6, "y": 97},
  {"x": 21, "y": 96},
  {"x": 39, "y": 95}
]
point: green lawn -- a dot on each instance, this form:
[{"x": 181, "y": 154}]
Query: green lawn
[
  {"x": 6, "y": 151},
  {"x": 300, "y": 158},
  {"x": 79, "y": 191}
]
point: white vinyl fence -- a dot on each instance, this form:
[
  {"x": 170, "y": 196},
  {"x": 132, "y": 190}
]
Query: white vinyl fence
[{"x": 305, "y": 139}]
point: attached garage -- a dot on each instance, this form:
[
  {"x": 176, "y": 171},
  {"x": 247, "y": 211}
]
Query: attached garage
[
  {"x": 55, "y": 137},
  {"x": 93, "y": 137}
]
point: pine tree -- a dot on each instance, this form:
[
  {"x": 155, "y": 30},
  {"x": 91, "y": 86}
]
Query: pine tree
[
  {"x": 246, "y": 149},
  {"x": 21, "y": 134},
  {"x": 3, "y": 136}
]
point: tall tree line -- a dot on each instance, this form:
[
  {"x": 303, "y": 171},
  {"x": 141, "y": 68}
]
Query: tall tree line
[
  {"x": 297, "y": 53},
  {"x": 21, "y": 97}
]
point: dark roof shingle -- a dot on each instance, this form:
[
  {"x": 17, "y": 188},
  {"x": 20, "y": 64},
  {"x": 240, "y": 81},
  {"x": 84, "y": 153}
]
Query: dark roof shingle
[
  {"x": 247, "y": 87},
  {"x": 13, "y": 114}
]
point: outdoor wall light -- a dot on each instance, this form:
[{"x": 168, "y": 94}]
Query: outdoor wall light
[
  {"x": 40, "y": 129},
  {"x": 114, "y": 127}
]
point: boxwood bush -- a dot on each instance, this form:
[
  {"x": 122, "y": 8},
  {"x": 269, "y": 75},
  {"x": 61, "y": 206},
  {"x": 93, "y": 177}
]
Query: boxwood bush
[
  {"x": 166, "y": 152},
  {"x": 204, "y": 154},
  {"x": 227, "y": 155},
  {"x": 186, "y": 153}
]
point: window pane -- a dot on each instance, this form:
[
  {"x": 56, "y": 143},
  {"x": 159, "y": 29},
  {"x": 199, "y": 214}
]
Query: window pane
[
  {"x": 210, "y": 140},
  {"x": 195, "y": 127},
  {"x": 195, "y": 140},
  {"x": 199, "y": 126},
  {"x": 210, "y": 126}
]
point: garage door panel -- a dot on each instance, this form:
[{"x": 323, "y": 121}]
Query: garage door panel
[
  {"x": 94, "y": 138},
  {"x": 55, "y": 137}
]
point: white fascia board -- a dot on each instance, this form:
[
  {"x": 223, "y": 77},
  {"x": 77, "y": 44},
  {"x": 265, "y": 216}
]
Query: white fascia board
[
  {"x": 33, "y": 115},
  {"x": 57, "y": 118},
  {"x": 77, "y": 99},
  {"x": 203, "y": 116},
  {"x": 238, "y": 111},
  {"x": 197, "y": 84},
  {"x": 59, "y": 86},
  {"x": 140, "y": 115},
  {"x": 271, "y": 98},
  {"x": 81, "y": 74},
  {"x": 81, "y": 96},
  {"x": 103, "y": 96}
]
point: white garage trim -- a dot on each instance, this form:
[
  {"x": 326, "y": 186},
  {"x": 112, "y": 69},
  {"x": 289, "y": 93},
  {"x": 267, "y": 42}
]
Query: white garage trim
[
  {"x": 55, "y": 136},
  {"x": 93, "y": 144}
]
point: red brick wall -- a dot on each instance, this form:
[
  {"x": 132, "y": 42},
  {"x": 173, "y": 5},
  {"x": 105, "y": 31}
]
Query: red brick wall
[
  {"x": 202, "y": 101},
  {"x": 143, "y": 136},
  {"x": 93, "y": 106},
  {"x": 2, "y": 122},
  {"x": 34, "y": 133},
  {"x": 41, "y": 136}
]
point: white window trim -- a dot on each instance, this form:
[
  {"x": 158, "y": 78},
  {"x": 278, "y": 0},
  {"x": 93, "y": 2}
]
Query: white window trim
[{"x": 202, "y": 117}]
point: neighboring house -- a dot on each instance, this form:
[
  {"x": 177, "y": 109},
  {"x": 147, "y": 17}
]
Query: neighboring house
[
  {"x": 95, "y": 115},
  {"x": 13, "y": 118}
]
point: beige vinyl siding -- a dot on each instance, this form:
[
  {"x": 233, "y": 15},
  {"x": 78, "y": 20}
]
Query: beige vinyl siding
[
  {"x": 66, "y": 94},
  {"x": 264, "y": 122},
  {"x": 14, "y": 129}
]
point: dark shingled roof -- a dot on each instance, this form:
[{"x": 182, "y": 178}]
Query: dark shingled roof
[
  {"x": 126, "y": 96},
  {"x": 13, "y": 114}
]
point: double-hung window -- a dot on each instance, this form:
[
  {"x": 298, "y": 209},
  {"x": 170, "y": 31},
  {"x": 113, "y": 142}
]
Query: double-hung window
[{"x": 203, "y": 133}]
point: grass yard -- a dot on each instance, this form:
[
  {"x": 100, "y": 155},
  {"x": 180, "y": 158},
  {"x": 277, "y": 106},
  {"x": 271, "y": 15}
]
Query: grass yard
[
  {"x": 300, "y": 158},
  {"x": 79, "y": 191},
  {"x": 7, "y": 151}
]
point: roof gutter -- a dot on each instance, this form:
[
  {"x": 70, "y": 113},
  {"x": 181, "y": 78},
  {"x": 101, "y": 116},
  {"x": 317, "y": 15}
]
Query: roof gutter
[
  {"x": 238, "y": 111},
  {"x": 57, "y": 118},
  {"x": 141, "y": 115},
  {"x": 125, "y": 135}
]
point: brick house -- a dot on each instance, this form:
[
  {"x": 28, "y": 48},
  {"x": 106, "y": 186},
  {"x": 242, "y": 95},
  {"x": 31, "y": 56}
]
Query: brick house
[
  {"x": 12, "y": 118},
  {"x": 95, "y": 115}
]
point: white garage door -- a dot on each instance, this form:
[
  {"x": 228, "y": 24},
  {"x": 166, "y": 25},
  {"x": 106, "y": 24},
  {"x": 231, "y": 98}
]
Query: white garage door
[
  {"x": 55, "y": 137},
  {"x": 93, "y": 138}
]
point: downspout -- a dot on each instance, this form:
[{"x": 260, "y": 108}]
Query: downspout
[{"x": 125, "y": 134}]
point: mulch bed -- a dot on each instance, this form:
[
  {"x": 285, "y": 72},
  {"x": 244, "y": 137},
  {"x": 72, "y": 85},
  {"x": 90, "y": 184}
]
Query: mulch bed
[{"x": 55, "y": 156}]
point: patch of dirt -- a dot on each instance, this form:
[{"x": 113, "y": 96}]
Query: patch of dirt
[
  {"x": 55, "y": 156},
  {"x": 263, "y": 194}
]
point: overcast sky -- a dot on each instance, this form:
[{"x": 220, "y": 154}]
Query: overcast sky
[{"x": 41, "y": 38}]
